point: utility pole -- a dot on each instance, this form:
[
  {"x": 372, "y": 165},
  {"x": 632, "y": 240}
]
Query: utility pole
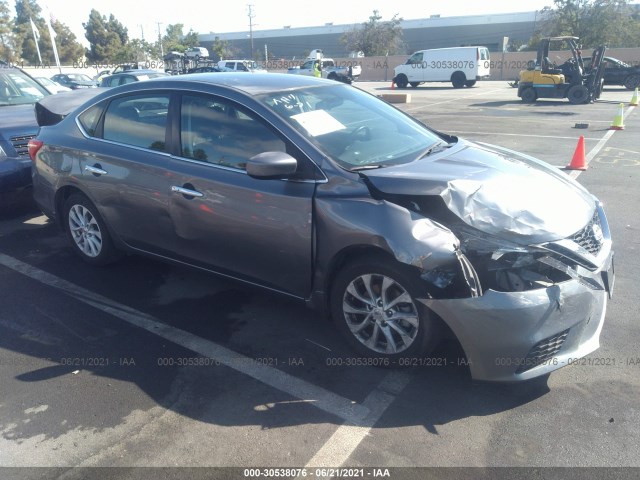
[
  {"x": 251, "y": 16},
  {"x": 160, "y": 41}
]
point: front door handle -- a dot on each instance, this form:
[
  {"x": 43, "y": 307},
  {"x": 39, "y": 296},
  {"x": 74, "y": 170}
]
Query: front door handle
[
  {"x": 187, "y": 192},
  {"x": 96, "y": 169}
]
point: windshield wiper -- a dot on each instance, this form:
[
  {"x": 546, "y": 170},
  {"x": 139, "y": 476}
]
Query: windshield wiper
[
  {"x": 436, "y": 147},
  {"x": 365, "y": 167}
]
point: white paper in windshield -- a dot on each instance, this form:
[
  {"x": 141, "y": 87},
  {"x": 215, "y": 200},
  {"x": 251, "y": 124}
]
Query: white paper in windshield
[{"x": 318, "y": 122}]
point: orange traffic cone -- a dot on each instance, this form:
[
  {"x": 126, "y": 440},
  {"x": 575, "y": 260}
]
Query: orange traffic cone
[
  {"x": 634, "y": 99},
  {"x": 578, "y": 162},
  {"x": 618, "y": 122}
]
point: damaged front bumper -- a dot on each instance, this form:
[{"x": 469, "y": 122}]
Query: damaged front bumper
[{"x": 519, "y": 335}]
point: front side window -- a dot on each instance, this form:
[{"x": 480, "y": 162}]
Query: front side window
[
  {"x": 138, "y": 120},
  {"x": 217, "y": 131},
  {"x": 416, "y": 58}
]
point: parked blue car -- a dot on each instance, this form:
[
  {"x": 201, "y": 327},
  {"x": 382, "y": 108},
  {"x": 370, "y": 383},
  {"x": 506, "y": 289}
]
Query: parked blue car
[{"x": 18, "y": 94}]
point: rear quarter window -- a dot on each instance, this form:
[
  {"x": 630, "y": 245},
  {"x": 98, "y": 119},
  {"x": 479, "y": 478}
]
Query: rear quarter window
[{"x": 90, "y": 118}]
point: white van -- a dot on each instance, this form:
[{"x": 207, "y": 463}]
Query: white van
[
  {"x": 462, "y": 66},
  {"x": 240, "y": 66}
]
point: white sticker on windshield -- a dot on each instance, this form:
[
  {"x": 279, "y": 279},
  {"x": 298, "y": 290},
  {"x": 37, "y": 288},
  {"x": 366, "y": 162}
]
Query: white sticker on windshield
[{"x": 318, "y": 122}]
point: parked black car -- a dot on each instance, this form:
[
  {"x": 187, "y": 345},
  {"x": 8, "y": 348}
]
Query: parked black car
[
  {"x": 130, "y": 76},
  {"x": 616, "y": 72},
  {"x": 18, "y": 94},
  {"x": 327, "y": 194},
  {"x": 204, "y": 69},
  {"x": 74, "y": 81}
]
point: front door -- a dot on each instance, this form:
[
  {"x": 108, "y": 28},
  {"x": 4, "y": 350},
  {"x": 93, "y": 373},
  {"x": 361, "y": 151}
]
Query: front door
[{"x": 255, "y": 229}]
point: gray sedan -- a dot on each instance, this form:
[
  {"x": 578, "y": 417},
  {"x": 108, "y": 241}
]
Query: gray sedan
[{"x": 319, "y": 191}]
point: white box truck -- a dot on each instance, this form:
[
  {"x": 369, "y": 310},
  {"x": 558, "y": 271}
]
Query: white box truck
[{"x": 462, "y": 66}]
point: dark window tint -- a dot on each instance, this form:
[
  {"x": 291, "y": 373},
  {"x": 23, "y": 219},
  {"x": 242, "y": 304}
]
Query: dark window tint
[
  {"x": 89, "y": 119},
  {"x": 138, "y": 120},
  {"x": 219, "y": 132}
]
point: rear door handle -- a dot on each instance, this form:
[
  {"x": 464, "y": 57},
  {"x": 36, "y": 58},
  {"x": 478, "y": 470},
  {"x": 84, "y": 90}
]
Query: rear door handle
[
  {"x": 187, "y": 192},
  {"x": 96, "y": 169}
]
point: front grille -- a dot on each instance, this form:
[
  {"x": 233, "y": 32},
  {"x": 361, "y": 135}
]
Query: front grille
[
  {"x": 543, "y": 351},
  {"x": 20, "y": 143},
  {"x": 590, "y": 237}
]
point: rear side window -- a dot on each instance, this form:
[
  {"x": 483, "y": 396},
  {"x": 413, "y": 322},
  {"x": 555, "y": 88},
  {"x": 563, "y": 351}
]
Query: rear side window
[
  {"x": 484, "y": 54},
  {"x": 138, "y": 120},
  {"x": 89, "y": 119}
]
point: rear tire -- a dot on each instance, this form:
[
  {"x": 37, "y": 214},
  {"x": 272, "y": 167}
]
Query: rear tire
[
  {"x": 87, "y": 231},
  {"x": 470, "y": 83},
  {"x": 373, "y": 304},
  {"x": 529, "y": 95},
  {"x": 458, "y": 79}
]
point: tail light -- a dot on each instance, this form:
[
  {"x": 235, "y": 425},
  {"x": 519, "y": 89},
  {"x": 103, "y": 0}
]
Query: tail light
[{"x": 33, "y": 146}]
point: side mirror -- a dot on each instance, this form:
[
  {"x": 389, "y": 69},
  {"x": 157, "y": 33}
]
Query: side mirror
[{"x": 271, "y": 165}]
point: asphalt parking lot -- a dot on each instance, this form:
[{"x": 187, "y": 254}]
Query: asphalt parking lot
[{"x": 142, "y": 364}]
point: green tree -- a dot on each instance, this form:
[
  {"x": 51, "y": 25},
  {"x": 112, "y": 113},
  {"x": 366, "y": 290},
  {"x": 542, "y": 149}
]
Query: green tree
[
  {"x": 27, "y": 10},
  {"x": 175, "y": 40},
  {"x": 172, "y": 38},
  {"x": 375, "y": 37},
  {"x": 107, "y": 38},
  {"x": 8, "y": 44},
  {"x": 69, "y": 49},
  {"x": 597, "y": 22},
  {"x": 222, "y": 49}
]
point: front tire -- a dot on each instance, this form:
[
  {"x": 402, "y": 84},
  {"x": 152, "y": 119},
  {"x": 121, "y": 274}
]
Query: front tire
[
  {"x": 402, "y": 81},
  {"x": 374, "y": 305},
  {"x": 87, "y": 231},
  {"x": 578, "y": 94},
  {"x": 632, "y": 82}
]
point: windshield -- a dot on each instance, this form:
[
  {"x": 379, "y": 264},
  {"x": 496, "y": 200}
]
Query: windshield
[
  {"x": 16, "y": 88},
  {"x": 354, "y": 128}
]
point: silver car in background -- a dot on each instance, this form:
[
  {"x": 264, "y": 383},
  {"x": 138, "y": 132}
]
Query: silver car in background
[{"x": 322, "y": 192}]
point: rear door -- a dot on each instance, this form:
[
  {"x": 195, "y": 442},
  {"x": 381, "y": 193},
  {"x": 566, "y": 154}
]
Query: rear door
[
  {"x": 126, "y": 170},
  {"x": 254, "y": 229}
]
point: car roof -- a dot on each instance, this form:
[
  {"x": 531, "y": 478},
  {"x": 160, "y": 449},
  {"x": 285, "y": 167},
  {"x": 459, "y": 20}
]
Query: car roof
[{"x": 245, "y": 82}]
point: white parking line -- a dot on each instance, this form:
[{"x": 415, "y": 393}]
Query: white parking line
[
  {"x": 418, "y": 107},
  {"x": 348, "y": 410},
  {"x": 595, "y": 150},
  {"x": 341, "y": 445}
]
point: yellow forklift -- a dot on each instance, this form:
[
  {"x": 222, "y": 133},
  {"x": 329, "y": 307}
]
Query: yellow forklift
[{"x": 545, "y": 79}]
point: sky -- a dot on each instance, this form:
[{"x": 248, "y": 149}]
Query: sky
[{"x": 141, "y": 17}]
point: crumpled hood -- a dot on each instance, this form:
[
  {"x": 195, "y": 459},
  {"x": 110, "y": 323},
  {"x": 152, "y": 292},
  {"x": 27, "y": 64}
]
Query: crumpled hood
[{"x": 495, "y": 190}]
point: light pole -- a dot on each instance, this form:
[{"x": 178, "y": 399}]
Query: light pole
[{"x": 251, "y": 15}]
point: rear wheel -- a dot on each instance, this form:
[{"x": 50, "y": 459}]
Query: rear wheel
[
  {"x": 87, "y": 231},
  {"x": 632, "y": 82},
  {"x": 402, "y": 81},
  {"x": 529, "y": 95},
  {"x": 470, "y": 83},
  {"x": 578, "y": 94},
  {"x": 373, "y": 303},
  {"x": 458, "y": 79}
]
